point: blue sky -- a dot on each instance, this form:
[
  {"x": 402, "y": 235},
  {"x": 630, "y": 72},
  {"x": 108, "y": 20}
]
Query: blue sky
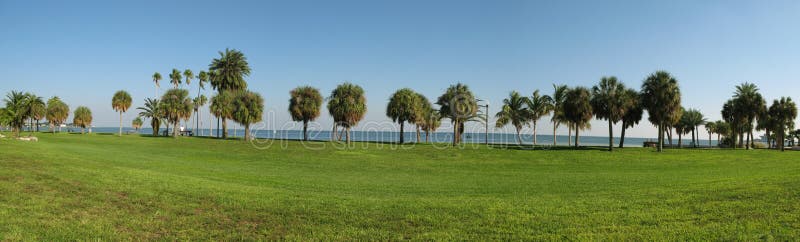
[{"x": 85, "y": 51}]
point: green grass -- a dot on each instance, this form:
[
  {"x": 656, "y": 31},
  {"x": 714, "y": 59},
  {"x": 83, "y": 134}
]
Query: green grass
[{"x": 69, "y": 186}]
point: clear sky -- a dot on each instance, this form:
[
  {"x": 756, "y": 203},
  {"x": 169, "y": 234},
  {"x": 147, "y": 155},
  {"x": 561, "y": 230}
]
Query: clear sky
[{"x": 85, "y": 51}]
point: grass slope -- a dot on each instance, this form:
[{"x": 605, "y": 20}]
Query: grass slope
[{"x": 69, "y": 186}]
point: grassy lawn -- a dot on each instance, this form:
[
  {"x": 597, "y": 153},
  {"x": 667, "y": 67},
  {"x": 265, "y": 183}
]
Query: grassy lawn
[{"x": 69, "y": 186}]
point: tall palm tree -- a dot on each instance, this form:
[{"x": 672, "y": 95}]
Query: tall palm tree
[
  {"x": 422, "y": 109},
  {"x": 766, "y": 123},
  {"x": 177, "y": 106},
  {"x": 57, "y": 113},
  {"x": 248, "y": 108},
  {"x": 578, "y": 109},
  {"x": 156, "y": 78},
  {"x": 198, "y": 102},
  {"x": 430, "y": 122},
  {"x": 137, "y": 123},
  {"x": 37, "y": 110},
  {"x": 304, "y": 105},
  {"x": 513, "y": 112},
  {"x": 228, "y": 71},
  {"x": 348, "y": 106},
  {"x": 16, "y": 111},
  {"x": 784, "y": 111},
  {"x": 661, "y": 97},
  {"x": 538, "y": 106},
  {"x": 175, "y": 78},
  {"x": 402, "y": 108},
  {"x": 82, "y": 118},
  {"x": 694, "y": 118},
  {"x": 202, "y": 79},
  {"x": 682, "y": 127},
  {"x": 609, "y": 103},
  {"x": 752, "y": 103},
  {"x": 633, "y": 112},
  {"x": 559, "y": 93},
  {"x": 222, "y": 107},
  {"x": 121, "y": 102},
  {"x": 459, "y": 105},
  {"x": 152, "y": 110},
  {"x": 733, "y": 113},
  {"x": 710, "y": 128}
]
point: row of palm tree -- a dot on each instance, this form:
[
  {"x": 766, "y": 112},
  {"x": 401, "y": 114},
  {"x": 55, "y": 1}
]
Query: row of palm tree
[{"x": 21, "y": 107}]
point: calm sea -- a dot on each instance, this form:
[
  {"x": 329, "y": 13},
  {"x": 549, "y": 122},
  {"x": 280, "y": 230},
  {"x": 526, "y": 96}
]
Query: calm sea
[{"x": 390, "y": 136}]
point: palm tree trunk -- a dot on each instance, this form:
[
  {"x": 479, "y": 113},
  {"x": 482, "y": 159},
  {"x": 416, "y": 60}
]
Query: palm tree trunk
[
  {"x": 534, "y": 133},
  {"x": 680, "y": 140},
  {"x": 305, "y": 130},
  {"x": 247, "y": 132},
  {"x": 402, "y": 135},
  {"x": 342, "y": 134},
  {"x": 669, "y": 135},
  {"x": 418, "y": 136},
  {"x": 660, "y": 137},
  {"x": 555, "y": 126},
  {"x": 224, "y": 128},
  {"x": 569, "y": 134},
  {"x": 610, "y": 136},
  {"x": 120, "y": 123},
  {"x": 175, "y": 128},
  {"x": 694, "y": 141},
  {"x": 519, "y": 137},
  {"x": 577, "y": 137},
  {"x": 348, "y": 134},
  {"x": 333, "y": 132},
  {"x": 622, "y": 135},
  {"x": 455, "y": 133},
  {"x": 427, "y": 136},
  {"x": 81, "y": 130}
]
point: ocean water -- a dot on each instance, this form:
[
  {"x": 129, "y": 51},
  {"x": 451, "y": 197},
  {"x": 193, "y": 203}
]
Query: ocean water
[{"x": 440, "y": 137}]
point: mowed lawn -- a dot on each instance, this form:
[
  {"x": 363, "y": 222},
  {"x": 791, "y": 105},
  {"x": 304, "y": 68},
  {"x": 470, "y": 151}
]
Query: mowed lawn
[{"x": 69, "y": 186}]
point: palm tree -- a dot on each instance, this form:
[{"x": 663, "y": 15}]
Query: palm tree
[
  {"x": 16, "y": 111},
  {"x": 152, "y": 110},
  {"x": 248, "y": 108},
  {"x": 348, "y": 106},
  {"x": 202, "y": 79},
  {"x": 57, "y": 112},
  {"x": 784, "y": 111},
  {"x": 121, "y": 102},
  {"x": 513, "y": 112},
  {"x": 559, "y": 93},
  {"x": 609, "y": 103},
  {"x": 422, "y": 109},
  {"x": 578, "y": 109},
  {"x": 633, "y": 112},
  {"x": 156, "y": 78},
  {"x": 710, "y": 128},
  {"x": 198, "y": 102},
  {"x": 694, "y": 118},
  {"x": 766, "y": 123},
  {"x": 36, "y": 108},
  {"x": 661, "y": 96},
  {"x": 189, "y": 75},
  {"x": 228, "y": 71},
  {"x": 752, "y": 103},
  {"x": 430, "y": 122},
  {"x": 721, "y": 128},
  {"x": 538, "y": 106},
  {"x": 222, "y": 107},
  {"x": 137, "y": 123},
  {"x": 177, "y": 106},
  {"x": 459, "y": 105},
  {"x": 82, "y": 118},
  {"x": 304, "y": 105},
  {"x": 682, "y": 127},
  {"x": 175, "y": 77},
  {"x": 733, "y": 113},
  {"x": 402, "y": 108}
]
